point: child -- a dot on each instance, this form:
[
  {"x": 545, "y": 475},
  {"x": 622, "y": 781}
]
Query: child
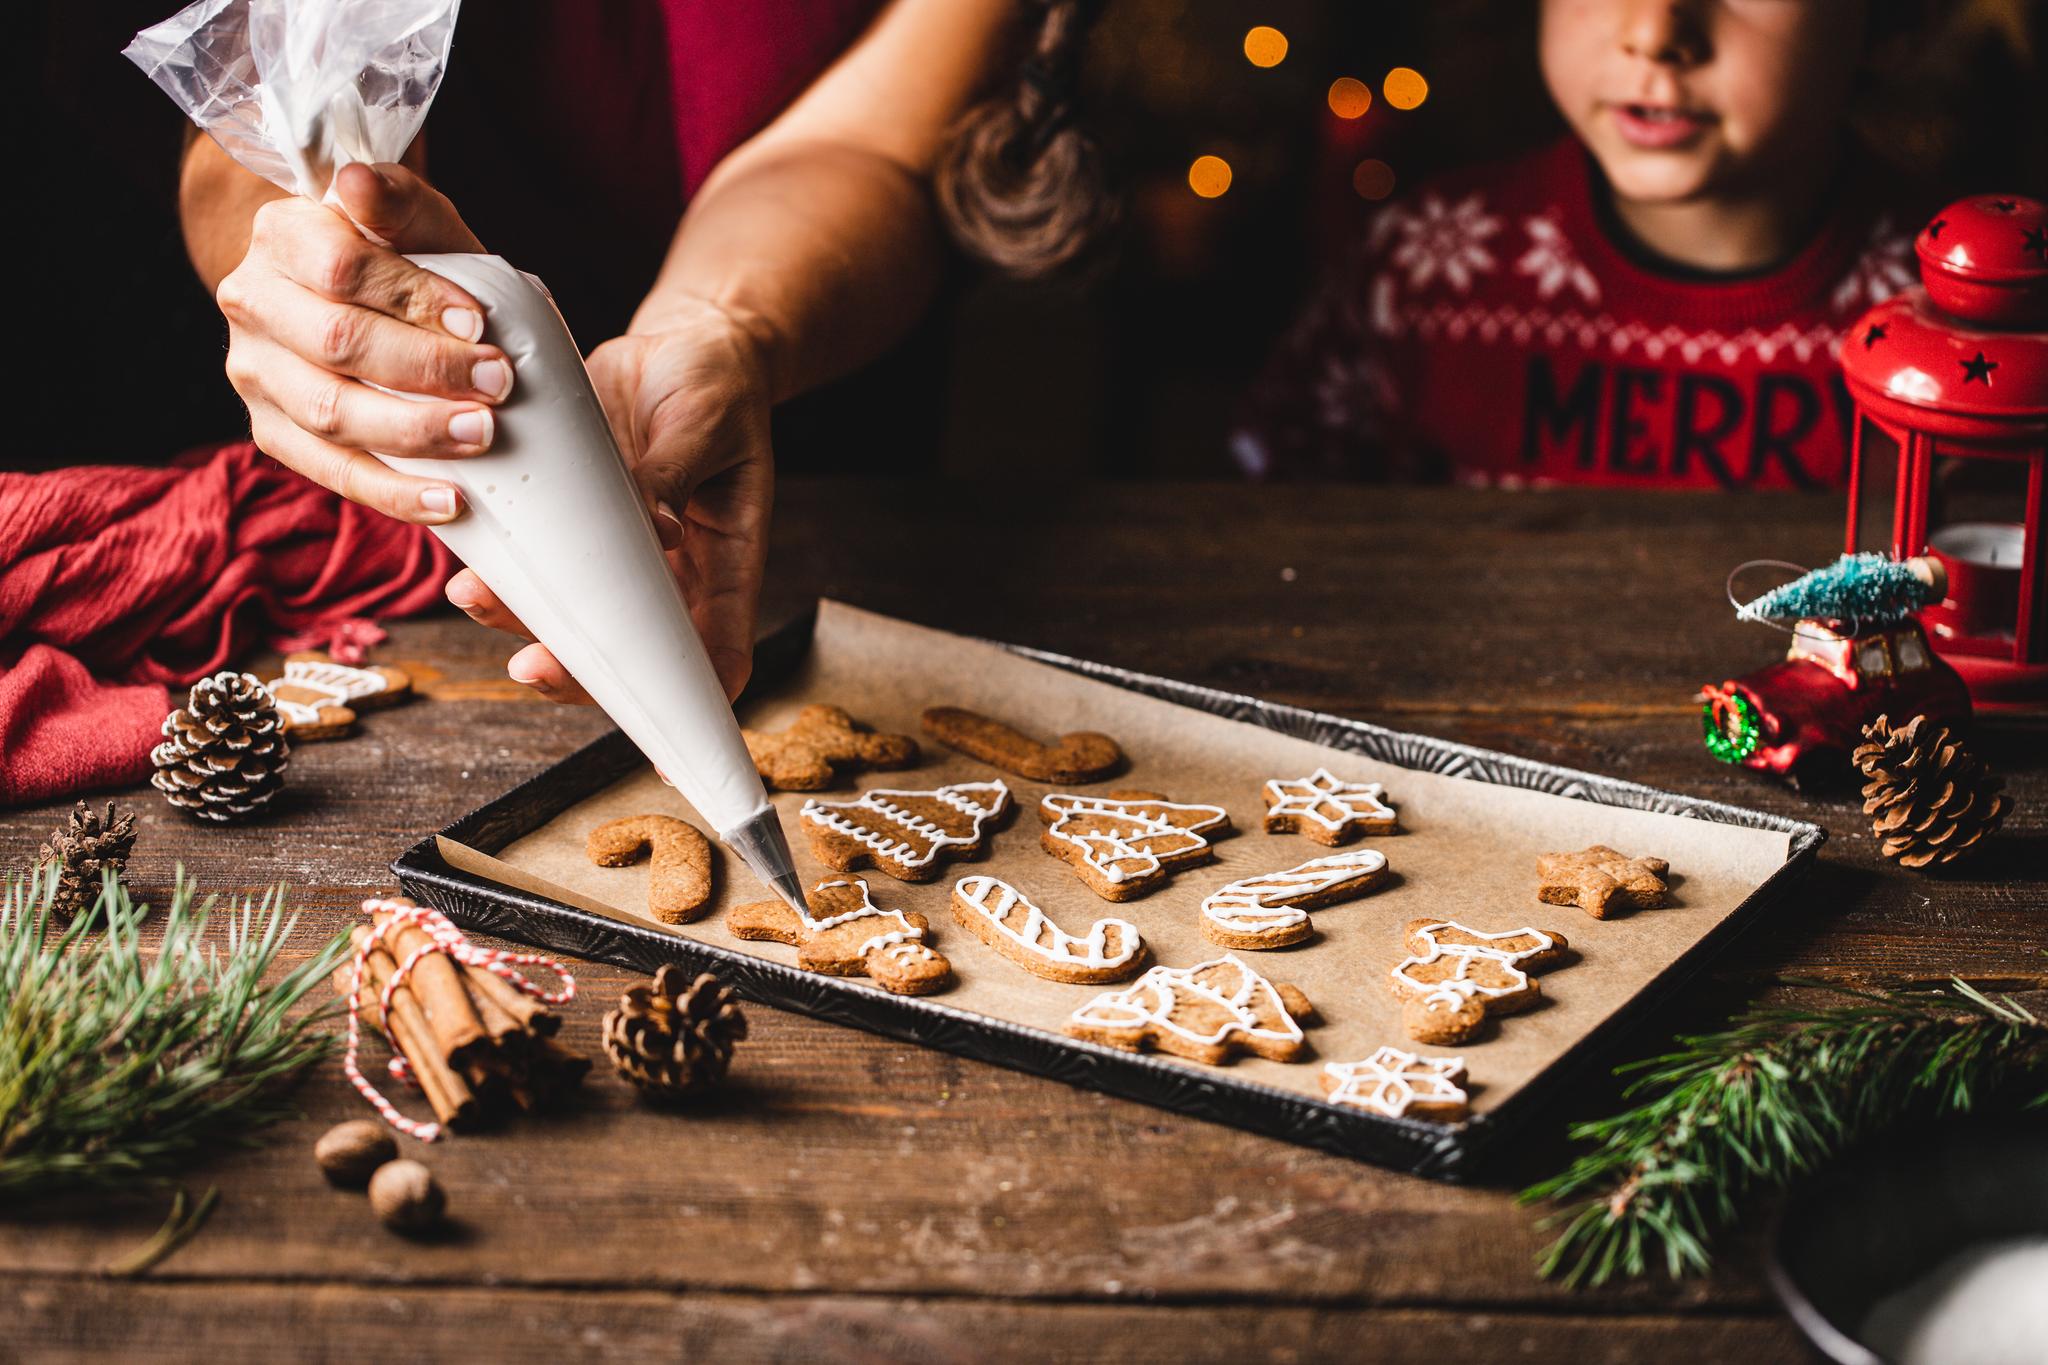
[{"x": 1655, "y": 301}]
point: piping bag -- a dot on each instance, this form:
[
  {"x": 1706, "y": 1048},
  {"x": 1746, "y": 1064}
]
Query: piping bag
[{"x": 554, "y": 524}]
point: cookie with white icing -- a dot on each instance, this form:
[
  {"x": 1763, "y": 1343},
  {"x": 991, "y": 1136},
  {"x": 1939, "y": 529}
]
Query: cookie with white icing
[
  {"x": 1326, "y": 808},
  {"x": 904, "y": 833},
  {"x": 847, "y": 934},
  {"x": 1205, "y": 1013},
  {"x": 320, "y": 699},
  {"x": 1455, "y": 976},
  {"x": 1270, "y": 910},
  {"x": 1399, "y": 1084},
  {"x": 1005, "y": 919},
  {"x": 1125, "y": 844}
]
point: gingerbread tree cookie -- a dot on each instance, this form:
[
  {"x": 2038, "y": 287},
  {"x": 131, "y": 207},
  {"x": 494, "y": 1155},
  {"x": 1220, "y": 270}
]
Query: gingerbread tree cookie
[
  {"x": 1599, "y": 880},
  {"x": 320, "y": 699},
  {"x": 904, "y": 833},
  {"x": 1126, "y": 843},
  {"x": 1271, "y": 910},
  {"x": 1205, "y": 1013},
  {"x": 679, "y": 885},
  {"x": 1326, "y": 808},
  {"x": 1455, "y": 976},
  {"x": 1399, "y": 1084},
  {"x": 822, "y": 742},
  {"x": 1005, "y": 919},
  {"x": 847, "y": 934}
]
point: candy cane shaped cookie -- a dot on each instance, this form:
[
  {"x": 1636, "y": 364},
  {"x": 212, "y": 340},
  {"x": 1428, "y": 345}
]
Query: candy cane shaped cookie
[
  {"x": 1002, "y": 917},
  {"x": 1271, "y": 909},
  {"x": 679, "y": 884}
]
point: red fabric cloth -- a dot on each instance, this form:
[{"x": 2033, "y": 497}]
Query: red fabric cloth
[
  {"x": 118, "y": 582},
  {"x": 1491, "y": 328}
]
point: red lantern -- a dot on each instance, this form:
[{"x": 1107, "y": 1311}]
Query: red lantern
[{"x": 1959, "y": 369}]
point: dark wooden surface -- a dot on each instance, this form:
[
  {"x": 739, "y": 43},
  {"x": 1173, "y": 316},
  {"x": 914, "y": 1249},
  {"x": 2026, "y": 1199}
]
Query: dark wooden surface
[{"x": 855, "y": 1197}]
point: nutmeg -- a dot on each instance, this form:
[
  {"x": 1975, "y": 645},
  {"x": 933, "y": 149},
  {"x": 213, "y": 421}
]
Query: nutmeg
[
  {"x": 350, "y": 1152},
  {"x": 406, "y": 1196}
]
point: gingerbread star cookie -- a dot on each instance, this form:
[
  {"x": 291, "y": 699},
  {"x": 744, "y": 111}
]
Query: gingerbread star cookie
[
  {"x": 320, "y": 699},
  {"x": 1455, "y": 976},
  {"x": 847, "y": 934},
  {"x": 1326, "y": 808},
  {"x": 904, "y": 833},
  {"x": 1399, "y": 1084},
  {"x": 1005, "y": 919},
  {"x": 1083, "y": 756},
  {"x": 821, "y": 743},
  {"x": 1126, "y": 843},
  {"x": 1204, "y": 1013},
  {"x": 1599, "y": 880},
  {"x": 1271, "y": 910},
  {"x": 679, "y": 885}
]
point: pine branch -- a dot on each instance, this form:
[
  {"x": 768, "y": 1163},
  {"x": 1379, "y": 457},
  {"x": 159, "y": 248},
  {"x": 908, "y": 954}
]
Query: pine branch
[
  {"x": 115, "y": 1063},
  {"x": 1769, "y": 1099}
]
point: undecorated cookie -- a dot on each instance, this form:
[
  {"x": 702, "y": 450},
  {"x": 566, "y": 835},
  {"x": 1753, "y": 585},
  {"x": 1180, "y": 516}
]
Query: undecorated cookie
[
  {"x": 1126, "y": 843},
  {"x": 679, "y": 884},
  {"x": 1083, "y": 756},
  {"x": 1271, "y": 910},
  {"x": 1204, "y": 1013},
  {"x": 1399, "y": 1084},
  {"x": 822, "y": 742},
  {"x": 847, "y": 934},
  {"x": 1326, "y": 808},
  {"x": 1599, "y": 880},
  {"x": 1455, "y": 976},
  {"x": 1005, "y": 919},
  {"x": 904, "y": 833}
]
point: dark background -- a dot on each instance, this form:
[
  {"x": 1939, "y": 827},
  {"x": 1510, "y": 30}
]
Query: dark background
[{"x": 1130, "y": 375}]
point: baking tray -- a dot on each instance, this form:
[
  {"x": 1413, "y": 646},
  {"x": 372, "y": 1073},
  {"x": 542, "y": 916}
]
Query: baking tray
[{"x": 1438, "y": 1150}]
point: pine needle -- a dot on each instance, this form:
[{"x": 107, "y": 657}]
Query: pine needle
[{"x": 1771, "y": 1098}]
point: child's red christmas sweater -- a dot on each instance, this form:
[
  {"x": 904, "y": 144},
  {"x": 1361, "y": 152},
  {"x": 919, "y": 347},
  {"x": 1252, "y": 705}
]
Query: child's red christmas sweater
[{"x": 1490, "y": 329}]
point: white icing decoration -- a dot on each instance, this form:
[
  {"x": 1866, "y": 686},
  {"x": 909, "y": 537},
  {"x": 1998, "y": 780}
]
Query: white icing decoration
[
  {"x": 1327, "y": 799},
  {"x": 1151, "y": 999},
  {"x": 905, "y": 933},
  {"x": 1138, "y": 850},
  {"x": 1458, "y": 988},
  {"x": 1249, "y": 905},
  {"x": 961, "y": 796},
  {"x": 1091, "y": 952},
  {"x": 1391, "y": 1080},
  {"x": 338, "y": 685}
]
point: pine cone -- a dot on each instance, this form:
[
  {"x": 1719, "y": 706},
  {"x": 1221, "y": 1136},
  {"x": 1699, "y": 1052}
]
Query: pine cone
[
  {"x": 1931, "y": 799},
  {"x": 91, "y": 843},
  {"x": 673, "y": 1038},
  {"x": 224, "y": 751}
]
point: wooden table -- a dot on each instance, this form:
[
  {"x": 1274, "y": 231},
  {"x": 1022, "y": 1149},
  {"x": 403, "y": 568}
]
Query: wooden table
[{"x": 853, "y": 1196}]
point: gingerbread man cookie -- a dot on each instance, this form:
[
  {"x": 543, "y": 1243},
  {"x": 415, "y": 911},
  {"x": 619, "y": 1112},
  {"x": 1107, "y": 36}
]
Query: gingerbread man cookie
[
  {"x": 1599, "y": 880},
  {"x": 1326, "y": 808},
  {"x": 1002, "y": 917},
  {"x": 1271, "y": 910},
  {"x": 847, "y": 934},
  {"x": 1455, "y": 976},
  {"x": 1399, "y": 1085},
  {"x": 1126, "y": 843},
  {"x": 820, "y": 743},
  {"x": 320, "y": 699},
  {"x": 904, "y": 833},
  {"x": 1204, "y": 1013},
  {"x": 1080, "y": 757}
]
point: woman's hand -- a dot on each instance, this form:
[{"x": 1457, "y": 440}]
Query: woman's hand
[
  {"x": 317, "y": 313},
  {"x": 688, "y": 402}
]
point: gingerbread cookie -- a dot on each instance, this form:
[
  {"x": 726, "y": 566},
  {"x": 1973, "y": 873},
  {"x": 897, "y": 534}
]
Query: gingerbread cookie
[
  {"x": 1455, "y": 976},
  {"x": 1126, "y": 843},
  {"x": 679, "y": 884},
  {"x": 1204, "y": 1013},
  {"x": 1080, "y": 757},
  {"x": 1271, "y": 909},
  {"x": 320, "y": 699},
  {"x": 822, "y": 742},
  {"x": 1326, "y": 808},
  {"x": 1399, "y": 1085},
  {"x": 1000, "y": 916},
  {"x": 1599, "y": 880},
  {"x": 904, "y": 833},
  {"x": 847, "y": 934}
]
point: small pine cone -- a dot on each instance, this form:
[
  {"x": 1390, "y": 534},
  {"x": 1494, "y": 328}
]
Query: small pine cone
[
  {"x": 84, "y": 850},
  {"x": 674, "y": 1038},
  {"x": 1930, "y": 800},
  {"x": 224, "y": 751}
]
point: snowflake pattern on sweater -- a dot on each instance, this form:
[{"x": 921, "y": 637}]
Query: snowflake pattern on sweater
[{"x": 1489, "y": 329}]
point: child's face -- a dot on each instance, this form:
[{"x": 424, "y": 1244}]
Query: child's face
[{"x": 1690, "y": 99}]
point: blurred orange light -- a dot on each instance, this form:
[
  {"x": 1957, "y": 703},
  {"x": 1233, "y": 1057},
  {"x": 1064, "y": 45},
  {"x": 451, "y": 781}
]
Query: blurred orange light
[
  {"x": 1349, "y": 98},
  {"x": 1405, "y": 88},
  {"x": 1374, "y": 179},
  {"x": 1209, "y": 176},
  {"x": 1265, "y": 46}
]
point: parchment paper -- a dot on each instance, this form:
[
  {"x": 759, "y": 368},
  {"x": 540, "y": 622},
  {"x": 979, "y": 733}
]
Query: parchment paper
[{"x": 1466, "y": 851}]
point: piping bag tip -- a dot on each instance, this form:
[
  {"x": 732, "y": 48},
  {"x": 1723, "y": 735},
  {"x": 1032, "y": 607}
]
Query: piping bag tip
[{"x": 760, "y": 842}]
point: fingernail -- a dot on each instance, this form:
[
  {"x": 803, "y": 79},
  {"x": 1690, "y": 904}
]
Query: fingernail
[
  {"x": 668, "y": 526},
  {"x": 533, "y": 682},
  {"x": 465, "y": 323},
  {"x": 472, "y": 427},
  {"x": 492, "y": 378},
  {"x": 439, "y": 501}
]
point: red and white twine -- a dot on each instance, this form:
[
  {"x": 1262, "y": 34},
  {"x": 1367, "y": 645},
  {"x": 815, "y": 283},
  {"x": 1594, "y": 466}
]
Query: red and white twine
[{"x": 443, "y": 937}]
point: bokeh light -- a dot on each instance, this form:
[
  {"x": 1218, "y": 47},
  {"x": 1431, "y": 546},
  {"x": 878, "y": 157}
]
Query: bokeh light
[
  {"x": 1405, "y": 88},
  {"x": 1349, "y": 98},
  {"x": 1209, "y": 176},
  {"x": 1373, "y": 179},
  {"x": 1265, "y": 46}
]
